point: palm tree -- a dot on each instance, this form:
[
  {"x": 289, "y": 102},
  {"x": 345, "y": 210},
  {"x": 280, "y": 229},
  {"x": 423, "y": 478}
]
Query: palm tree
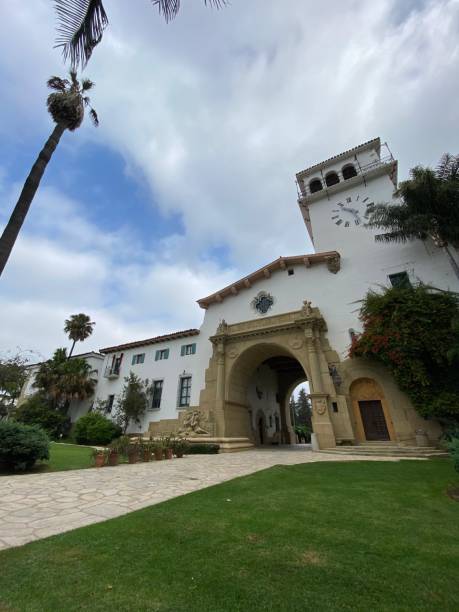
[
  {"x": 78, "y": 328},
  {"x": 66, "y": 106},
  {"x": 62, "y": 380},
  {"x": 81, "y": 24},
  {"x": 429, "y": 208}
]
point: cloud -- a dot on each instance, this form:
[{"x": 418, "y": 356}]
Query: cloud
[{"x": 215, "y": 112}]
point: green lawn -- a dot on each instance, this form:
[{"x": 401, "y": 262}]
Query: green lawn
[
  {"x": 362, "y": 536},
  {"x": 61, "y": 457}
]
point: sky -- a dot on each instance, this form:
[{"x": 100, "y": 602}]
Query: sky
[{"x": 189, "y": 181}]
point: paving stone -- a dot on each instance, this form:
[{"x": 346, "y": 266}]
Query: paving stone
[{"x": 36, "y": 506}]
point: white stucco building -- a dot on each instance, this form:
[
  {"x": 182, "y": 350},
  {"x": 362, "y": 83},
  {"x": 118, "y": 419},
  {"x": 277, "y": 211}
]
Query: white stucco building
[{"x": 289, "y": 321}]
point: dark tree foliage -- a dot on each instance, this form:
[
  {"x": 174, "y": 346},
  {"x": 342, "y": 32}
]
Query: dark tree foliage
[
  {"x": 22, "y": 445},
  {"x": 13, "y": 374},
  {"x": 415, "y": 333},
  {"x": 38, "y": 410},
  {"x": 303, "y": 412},
  {"x": 61, "y": 380}
]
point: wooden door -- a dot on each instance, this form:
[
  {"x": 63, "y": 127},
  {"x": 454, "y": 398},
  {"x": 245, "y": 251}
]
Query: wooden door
[{"x": 373, "y": 419}]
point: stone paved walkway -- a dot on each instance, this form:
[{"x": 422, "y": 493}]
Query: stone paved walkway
[{"x": 35, "y": 506}]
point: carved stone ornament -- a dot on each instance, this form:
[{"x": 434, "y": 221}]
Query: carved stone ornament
[
  {"x": 222, "y": 327},
  {"x": 194, "y": 422},
  {"x": 296, "y": 342},
  {"x": 233, "y": 353},
  {"x": 320, "y": 406},
  {"x": 334, "y": 264},
  {"x": 306, "y": 308},
  {"x": 262, "y": 302}
]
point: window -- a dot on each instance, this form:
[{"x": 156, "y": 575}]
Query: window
[
  {"x": 349, "y": 171},
  {"x": 270, "y": 421},
  {"x": 315, "y": 185},
  {"x": 188, "y": 349},
  {"x": 335, "y": 406},
  {"x": 157, "y": 393},
  {"x": 400, "y": 280},
  {"x": 276, "y": 418},
  {"x": 331, "y": 179},
  {"x": 184, "y": 391},
  {"x": 109, "y": 407},
  {"x": 291, "y": 271},
  {"x": 162, "y": 354},
  {"x": 140, "y": 358}
]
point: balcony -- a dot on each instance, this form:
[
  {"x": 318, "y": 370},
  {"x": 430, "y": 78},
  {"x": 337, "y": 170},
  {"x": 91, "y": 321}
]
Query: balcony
[
  {"x": 383, "y": 165},
  {"x": 112, "y": 372}
]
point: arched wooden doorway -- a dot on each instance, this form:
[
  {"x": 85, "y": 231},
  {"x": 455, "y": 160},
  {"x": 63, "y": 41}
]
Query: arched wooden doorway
[{"x": 371, "y": 413}]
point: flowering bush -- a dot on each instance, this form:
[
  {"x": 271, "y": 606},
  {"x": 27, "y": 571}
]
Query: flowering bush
[{"x": 414, "y": 332}]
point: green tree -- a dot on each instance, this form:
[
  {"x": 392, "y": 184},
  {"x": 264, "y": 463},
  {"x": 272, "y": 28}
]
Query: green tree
[
  {"x": 81, "y": 24},
  {"x": 132, "y": 402},
  {"x": 61, "y": 380},
  {"x": 292, "y": 408},
  {"x": 429, "y": 208},
  {"x": 78, "y": 327},
  {"x": 66, "y": 106},
  {"x": 13, "y": 374},
  {"x": 303, "y": 410},
  {"x": 412, "y": 331}
]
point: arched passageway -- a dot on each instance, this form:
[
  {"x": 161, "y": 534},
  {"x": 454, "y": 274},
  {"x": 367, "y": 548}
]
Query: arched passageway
[{"x": 259, "y": 391}]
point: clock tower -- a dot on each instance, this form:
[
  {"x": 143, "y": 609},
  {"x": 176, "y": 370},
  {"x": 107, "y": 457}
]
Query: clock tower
[{"x": 336, "y": 196}]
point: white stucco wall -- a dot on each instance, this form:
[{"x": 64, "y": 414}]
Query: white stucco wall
[
  {"x": 261, "y": 396},
  {"x": 168, "y": 370}
]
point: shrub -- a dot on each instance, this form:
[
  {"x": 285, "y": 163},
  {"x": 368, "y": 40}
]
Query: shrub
[
  {"x": 38, "y": 411},
  {"x": 203, "y": 449},
  {"x": 94, "y": 428},
  {"x": 22, "y": 445},
  {"x": 414, "y": 333},
  {"x": 453, "y": 448}
]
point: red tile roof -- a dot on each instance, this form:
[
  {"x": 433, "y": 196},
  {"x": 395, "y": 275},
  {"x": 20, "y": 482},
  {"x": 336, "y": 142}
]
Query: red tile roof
[{"x": 180, "y": 334}]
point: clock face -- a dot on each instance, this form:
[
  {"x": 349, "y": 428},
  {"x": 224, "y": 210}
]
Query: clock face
[{"x": 352, "y": 212}]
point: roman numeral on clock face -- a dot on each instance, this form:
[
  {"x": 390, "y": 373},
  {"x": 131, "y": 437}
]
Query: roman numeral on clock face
[{"x": 339, "y": 222}]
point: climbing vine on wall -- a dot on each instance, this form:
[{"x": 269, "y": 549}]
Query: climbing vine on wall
[{"x": 415, "y": 333}]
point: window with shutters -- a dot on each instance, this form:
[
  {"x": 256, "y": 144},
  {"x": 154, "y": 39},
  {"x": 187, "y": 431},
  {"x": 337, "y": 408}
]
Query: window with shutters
[
  {"x": 157, "y": 393},
  {"x": 140, "y": 358},
  {"x": 188, "y": 349},
  {"x": 184, "y": 391},
  {"x": 162, "y": 354}
]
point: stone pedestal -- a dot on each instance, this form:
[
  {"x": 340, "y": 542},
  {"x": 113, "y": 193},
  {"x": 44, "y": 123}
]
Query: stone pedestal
[{"x": 321, "y": 422}]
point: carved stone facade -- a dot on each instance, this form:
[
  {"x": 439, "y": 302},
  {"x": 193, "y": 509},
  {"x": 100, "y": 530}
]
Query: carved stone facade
[{"x": 240, "y": 348}]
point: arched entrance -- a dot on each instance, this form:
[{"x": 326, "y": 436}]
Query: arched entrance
[
  {"x": 257, "y": 394},
  {"x": 290, "y": 347},
  {"x": 371, "y": 413}
]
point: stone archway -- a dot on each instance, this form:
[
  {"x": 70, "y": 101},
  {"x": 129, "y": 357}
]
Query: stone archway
[{"x": 240, "y": 347}]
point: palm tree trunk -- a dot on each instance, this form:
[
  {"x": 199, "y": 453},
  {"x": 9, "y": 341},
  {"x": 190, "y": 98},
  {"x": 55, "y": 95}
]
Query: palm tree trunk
[
  {"x": 11, "y": 231},
  {"x": 453, "y": 262},
  {"x": 71, "y": 350}
]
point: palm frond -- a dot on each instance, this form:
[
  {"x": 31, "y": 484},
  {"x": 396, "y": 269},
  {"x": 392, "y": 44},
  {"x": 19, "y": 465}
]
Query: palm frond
[
  {"x": 86, "y": 84},
  {"x": 448, "y": 167},
  {"x": 94, "y": 117},
  {"x": 57, "y": 83},
  {"x": 170, "y": 8},
  {"x": 81, "y": 25}
]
